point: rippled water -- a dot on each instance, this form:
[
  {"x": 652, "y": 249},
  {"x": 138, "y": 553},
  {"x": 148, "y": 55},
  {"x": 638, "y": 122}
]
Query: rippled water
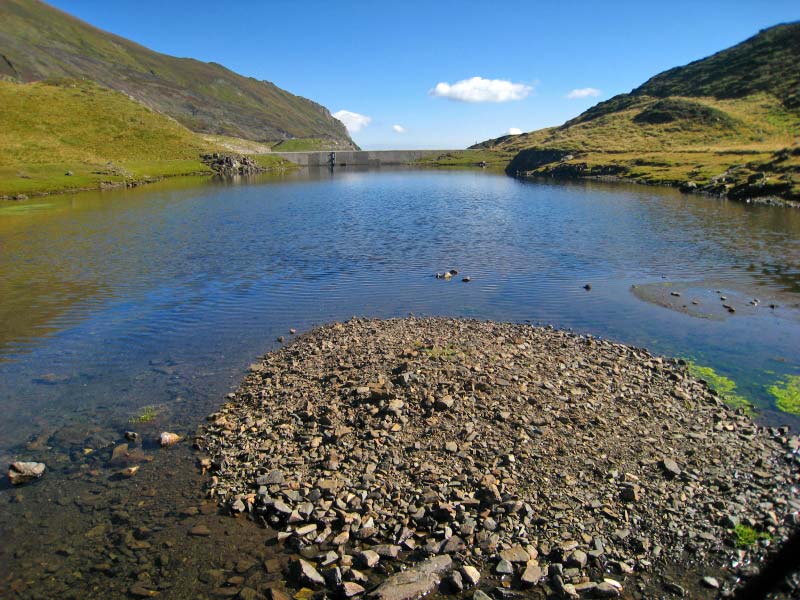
[{"x": 161, "y": 296}]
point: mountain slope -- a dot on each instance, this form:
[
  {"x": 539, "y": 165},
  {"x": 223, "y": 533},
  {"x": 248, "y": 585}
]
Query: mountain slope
[
  {"x": 727, "y": 124},
  {"x": 40, "y": 42},
  {"x": 75, "y": 134}
]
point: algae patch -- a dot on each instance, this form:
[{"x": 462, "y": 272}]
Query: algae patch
[
  {"x": 787, "y": 394},
  {"x": 725, "y": 387},
  {"x": 747, "y": 536},
  {"x": 145, "y": 415}
]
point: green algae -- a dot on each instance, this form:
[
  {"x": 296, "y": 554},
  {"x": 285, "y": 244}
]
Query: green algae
[
  {"x": 787, "y": 394},
  {"x": 145, "y": 415},
  {"x": 747, "y": 536},
  {"x": 726, "y": 388}
]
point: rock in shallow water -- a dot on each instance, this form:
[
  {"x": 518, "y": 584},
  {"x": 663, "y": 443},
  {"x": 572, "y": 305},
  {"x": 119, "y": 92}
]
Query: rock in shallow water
[
  {"x": 169, "y": 439},
  {"x": 24, "y": 472}
]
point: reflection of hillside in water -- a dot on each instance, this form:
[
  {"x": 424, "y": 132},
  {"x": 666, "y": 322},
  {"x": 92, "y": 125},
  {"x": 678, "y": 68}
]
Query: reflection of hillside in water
[{"x": 37, "y": 304}]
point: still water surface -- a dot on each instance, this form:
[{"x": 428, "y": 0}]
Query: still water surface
[{"x": 161, "y": 296}]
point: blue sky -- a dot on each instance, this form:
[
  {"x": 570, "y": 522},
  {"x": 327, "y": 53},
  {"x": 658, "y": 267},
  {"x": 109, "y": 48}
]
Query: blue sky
[{"x": 381, "y": 60}]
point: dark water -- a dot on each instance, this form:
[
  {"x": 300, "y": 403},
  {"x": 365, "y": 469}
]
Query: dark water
[{"x": 161, "y": 297}]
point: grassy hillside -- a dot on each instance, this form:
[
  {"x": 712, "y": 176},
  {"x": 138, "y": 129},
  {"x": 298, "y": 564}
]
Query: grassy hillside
[
  {"x": 727, "y": 124},
  {"x": 69, "y": 134},
  {"x": 39, "y": 42}
]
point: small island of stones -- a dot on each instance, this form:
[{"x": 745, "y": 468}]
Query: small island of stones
[{"x": 398, "y": 458}]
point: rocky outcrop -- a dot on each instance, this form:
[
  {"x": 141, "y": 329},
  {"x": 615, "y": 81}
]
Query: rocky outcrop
[
  {"x": 232, "y": 164},
  {"x": 533, "y": 158}
]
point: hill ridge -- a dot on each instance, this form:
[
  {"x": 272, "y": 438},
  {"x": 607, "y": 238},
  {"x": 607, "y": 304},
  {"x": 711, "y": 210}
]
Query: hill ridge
[
  {"x": 726, "y": 124},
  {"x": 39, "y": 42}
]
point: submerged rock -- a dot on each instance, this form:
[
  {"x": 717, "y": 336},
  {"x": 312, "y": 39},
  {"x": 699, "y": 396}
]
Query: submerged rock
[
  {"x": 24, "y": 472},
  {"x": 169, "y": 439}
]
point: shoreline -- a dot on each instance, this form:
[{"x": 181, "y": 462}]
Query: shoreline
[
  {"x": 685, "y": 187},
  {"x": 372, "y": 445},
  {"x": 774, "y": 201},
  {"x": 222, "y": 164}
]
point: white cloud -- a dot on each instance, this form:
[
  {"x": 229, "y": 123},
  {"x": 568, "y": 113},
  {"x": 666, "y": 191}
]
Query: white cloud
[
  {"x": 478, "y": 89},
  {"x": 352, "y": 120},
  {"x": 583, "y": 93},
  {"x": 514, "y": 131},
  {"x": 398, "y": 129}
]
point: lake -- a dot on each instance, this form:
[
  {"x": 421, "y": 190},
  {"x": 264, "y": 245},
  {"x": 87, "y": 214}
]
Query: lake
[{"x": 139, "y": 309}]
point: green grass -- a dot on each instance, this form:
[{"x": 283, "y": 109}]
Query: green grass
[
  {"x": 726, "y": 388},
  {"x": 721, "y": 123},
  {"x": 304, "y": 145},
  {"x": 787, "y": 394},
  {"x": 56, "y": 136},
  {"x": 468, "y": 158},
  {"x": 72, "y": 135},
  {"x": 747, "y": 536},
  {"x": 40, "y": 42}
]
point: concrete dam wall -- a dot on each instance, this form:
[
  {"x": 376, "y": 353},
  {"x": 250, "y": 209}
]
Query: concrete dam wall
[{"x": 371, "y": 158}]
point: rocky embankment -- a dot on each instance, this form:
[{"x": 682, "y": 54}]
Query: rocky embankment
[
  {"x": 398, "y": 456},
  {"x": 231, "y": 164},
  {"x": 772, "y": 182}
]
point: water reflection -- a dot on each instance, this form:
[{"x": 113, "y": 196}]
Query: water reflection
[{"x": 111, "y": 301}]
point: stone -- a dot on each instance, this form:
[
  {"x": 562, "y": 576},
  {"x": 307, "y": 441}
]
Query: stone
[
  {"x": 200, "y": 531},
  {"x": 531, "y": 575},
  {"x": 578, "y": 559},
  {"x": 248, "y": 593},
  {"x": 480, "y": 595},
  {"x": 606, "y": 590},
  {"x": 368, "y": 558},
  {"x": 630, "y": 493},
  {"x": 129, "y": 471},
  {"x": 504, "y": 567},
  {"x": 454, "y": 582},
  {"x": 305, "y": 573},
  {"x": 138, "y": 590},
  {"x": 351, "y": 589},
  {"x": 454, "y": 544},
  {"x": 515, "y": 554},
  {"x": 711, "y": 582},
  {"x": 168, "y": 438},
  {"x": 387, "y": 550},
  {"x": 414, "y": 582},
  {"x": 24, "y": 472},
  {"x": 444, "y": 403},
  {"x": 670, "y": 467},
  {"x": 470, "y": 574}
]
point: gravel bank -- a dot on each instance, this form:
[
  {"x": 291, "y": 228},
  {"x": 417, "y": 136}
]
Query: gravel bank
[{"x": 546, "y": 460}]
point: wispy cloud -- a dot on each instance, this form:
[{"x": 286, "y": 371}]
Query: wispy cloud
[
  {"x": 398, "y": 129},
  {"x": 583, "y": 93},
  {"x": 478, "y": 89},
  {"x": 352, "y": 120},
  {"x": 514, "y": 131}
]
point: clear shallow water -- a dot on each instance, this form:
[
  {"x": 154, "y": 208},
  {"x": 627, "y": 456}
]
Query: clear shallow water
[{"x": 163, "y": 295}]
